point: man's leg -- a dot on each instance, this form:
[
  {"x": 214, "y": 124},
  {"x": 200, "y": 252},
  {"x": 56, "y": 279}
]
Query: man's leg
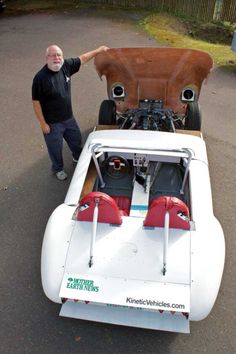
[
  {"x": 72, "y": 136},
  {"x": 54, "y": 142}
]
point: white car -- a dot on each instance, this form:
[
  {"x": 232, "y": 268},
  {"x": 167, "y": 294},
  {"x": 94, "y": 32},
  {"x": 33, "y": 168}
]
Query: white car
[{"x": 136, "y": 241}]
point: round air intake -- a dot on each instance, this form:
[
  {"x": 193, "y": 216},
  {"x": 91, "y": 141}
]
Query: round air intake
[
  {"x": 118, "y": 91},
  {"x": 188, "y": 95}
]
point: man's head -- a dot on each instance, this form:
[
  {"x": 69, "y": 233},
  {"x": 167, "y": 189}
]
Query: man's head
[{"x": 54, "y": 57}]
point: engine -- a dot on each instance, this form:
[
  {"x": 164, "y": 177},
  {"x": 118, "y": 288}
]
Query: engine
[{"x": 150, "y": 115}]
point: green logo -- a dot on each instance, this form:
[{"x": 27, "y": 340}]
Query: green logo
[{"x": 81, "y": 284}]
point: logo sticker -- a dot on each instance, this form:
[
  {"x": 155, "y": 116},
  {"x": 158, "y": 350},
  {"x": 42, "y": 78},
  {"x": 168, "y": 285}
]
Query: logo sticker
[
  {"x": 183, "y": 216},
  {"x": 81, "y": 284},
  {"x": 84, "y": 207}
]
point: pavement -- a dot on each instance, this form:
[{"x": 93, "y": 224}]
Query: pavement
[{"x": 29, "y": 192}]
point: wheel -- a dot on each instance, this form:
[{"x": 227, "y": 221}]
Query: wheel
[
  {"x": 116, "y": 167},
  {"x": 107, "y": 113},
  {"x": 193, "y": 117}
]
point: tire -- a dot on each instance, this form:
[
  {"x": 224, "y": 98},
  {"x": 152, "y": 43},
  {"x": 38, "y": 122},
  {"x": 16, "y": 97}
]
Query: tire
[
  {"x": 193, "y": 119},
  {"x": 107, "y": 113}
]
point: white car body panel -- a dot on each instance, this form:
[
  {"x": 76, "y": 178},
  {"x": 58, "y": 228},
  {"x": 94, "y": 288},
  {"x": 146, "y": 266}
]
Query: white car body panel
[{"x": 128, "y": 258}]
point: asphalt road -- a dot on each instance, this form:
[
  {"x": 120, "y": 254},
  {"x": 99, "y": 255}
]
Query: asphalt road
[{"x": 29, "y": 193}]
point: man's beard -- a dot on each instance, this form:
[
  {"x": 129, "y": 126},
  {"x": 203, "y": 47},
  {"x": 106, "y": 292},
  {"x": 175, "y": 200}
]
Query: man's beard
[{"x": 55, "y": 67}]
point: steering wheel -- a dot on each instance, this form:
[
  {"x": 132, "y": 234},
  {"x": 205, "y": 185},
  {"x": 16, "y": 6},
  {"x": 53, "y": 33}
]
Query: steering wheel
[{"x": 116, "y": 166}]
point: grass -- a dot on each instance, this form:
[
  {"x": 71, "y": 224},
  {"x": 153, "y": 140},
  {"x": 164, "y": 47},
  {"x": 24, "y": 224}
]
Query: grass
[
  {"x": 176, "y": 32},
  {"x": 166, "y": 29}
]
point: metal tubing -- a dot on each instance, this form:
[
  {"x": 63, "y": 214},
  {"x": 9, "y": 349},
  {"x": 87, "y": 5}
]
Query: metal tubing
[
  {"x": 97, "y": 166},
  {"x": 94, "y": 232},
  {"x": 166, "y": 240},
  {"x": 190, "y": 155}
]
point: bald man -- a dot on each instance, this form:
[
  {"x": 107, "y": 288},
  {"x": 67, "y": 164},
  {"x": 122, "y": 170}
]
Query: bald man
[{"x": 51, "y": 96}]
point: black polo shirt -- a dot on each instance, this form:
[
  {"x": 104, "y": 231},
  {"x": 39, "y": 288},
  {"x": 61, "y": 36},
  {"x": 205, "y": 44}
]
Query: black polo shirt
[{"x": 53, "y": 90}]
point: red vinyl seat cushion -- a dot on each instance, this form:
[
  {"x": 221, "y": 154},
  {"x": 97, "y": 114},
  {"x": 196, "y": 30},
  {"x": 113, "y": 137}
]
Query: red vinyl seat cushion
[
  {"x": 108, "y": 210},
  {"x": 178, "y": 211},
  {"x": 123, "y": 204}
]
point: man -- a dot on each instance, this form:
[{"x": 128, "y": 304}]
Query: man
[{"x": 51, "y": 95}]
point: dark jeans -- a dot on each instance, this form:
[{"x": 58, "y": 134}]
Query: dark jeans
[{"x": 68, "y": 130}]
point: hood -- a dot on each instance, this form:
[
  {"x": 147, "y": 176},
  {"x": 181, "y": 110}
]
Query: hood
[{"x": 153, "y": 73}]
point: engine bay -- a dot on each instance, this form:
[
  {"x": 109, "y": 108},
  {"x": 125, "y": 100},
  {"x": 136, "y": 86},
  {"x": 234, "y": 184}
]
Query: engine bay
[{"x": 151, "y": 115}]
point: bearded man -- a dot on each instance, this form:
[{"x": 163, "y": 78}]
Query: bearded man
[{"x": 51, "y": 96}]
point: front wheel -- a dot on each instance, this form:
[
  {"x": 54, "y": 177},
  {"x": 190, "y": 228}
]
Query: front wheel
[
  {"x": 107, "y": 113},
  {"x": 193, "y": 118}
]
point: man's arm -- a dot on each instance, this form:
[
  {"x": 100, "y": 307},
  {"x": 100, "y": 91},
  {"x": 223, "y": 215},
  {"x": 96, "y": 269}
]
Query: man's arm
[
  {"x": 39, "y": 114},
  {"x": 84, "y": 58}
]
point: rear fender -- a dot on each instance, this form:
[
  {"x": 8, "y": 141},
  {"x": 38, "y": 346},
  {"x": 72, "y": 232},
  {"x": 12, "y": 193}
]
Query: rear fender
[{"x": 54, "y": 250}]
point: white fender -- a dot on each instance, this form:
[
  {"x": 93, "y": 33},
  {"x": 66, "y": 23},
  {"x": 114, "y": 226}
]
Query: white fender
[
  {"x": 207, "y": 264},
  {"x": 54, "y": 250},
  {"x": 207, "y": 245}
]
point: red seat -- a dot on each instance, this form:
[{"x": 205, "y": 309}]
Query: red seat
[
  {"x": 123, "y": 204},
  {"x": 178, "y": 211},
  {"x": 108, "y": 211}
]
